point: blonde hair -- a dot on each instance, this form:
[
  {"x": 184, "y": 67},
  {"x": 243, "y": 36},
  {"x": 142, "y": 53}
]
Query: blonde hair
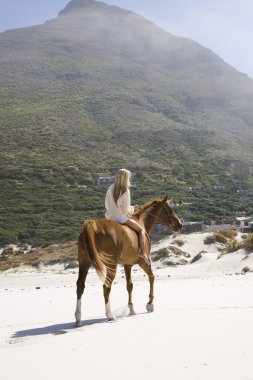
[{"x": 122, "y": 183}]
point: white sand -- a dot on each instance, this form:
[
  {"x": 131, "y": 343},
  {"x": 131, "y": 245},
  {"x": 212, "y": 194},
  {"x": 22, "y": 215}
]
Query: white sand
[{"x": 201, "y": 328}]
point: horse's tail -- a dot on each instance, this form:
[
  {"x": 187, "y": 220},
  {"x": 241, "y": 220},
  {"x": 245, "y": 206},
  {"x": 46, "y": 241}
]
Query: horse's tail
[{"x": 89, "y": 240}]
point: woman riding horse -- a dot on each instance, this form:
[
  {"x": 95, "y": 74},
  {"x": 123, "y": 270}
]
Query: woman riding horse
[
  {"x": 118, "y": 208},
  {"x": 106, "y": 243}
]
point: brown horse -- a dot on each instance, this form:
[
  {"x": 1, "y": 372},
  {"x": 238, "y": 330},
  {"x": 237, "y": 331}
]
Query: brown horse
[{"x": 105, "y": 244}]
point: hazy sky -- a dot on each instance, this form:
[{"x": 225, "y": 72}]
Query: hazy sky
[{"x": 224, "y": 26}]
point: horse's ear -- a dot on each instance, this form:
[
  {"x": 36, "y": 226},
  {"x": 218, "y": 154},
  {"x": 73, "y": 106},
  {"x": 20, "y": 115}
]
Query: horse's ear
[{"x": 166, "y": 199}]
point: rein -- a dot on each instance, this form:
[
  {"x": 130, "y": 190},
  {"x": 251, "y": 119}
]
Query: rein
[{"x": 155, "y": 216}]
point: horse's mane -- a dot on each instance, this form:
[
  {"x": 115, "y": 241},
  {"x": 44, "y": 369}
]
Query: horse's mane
[{"x": 146, "y": 206}]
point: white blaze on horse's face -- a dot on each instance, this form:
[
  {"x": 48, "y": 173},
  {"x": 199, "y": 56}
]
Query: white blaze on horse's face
[{"x": 170, "y": 204}]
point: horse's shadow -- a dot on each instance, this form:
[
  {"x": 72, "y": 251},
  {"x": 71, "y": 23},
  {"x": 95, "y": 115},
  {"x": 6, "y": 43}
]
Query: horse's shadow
[
  {"x": 58, "y": 329},
  {"x": 64, "y": 328}
]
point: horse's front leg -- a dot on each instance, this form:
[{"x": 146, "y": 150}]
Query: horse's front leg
[
  {"x": 147, "y": 269},
  {"x": 127, "y": 269},
  {"x": 110, "y": 275}
]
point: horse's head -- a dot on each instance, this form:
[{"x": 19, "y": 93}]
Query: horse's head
[
  {"x": 168, "y": 216},
  {"x": 158, "y": 211}
]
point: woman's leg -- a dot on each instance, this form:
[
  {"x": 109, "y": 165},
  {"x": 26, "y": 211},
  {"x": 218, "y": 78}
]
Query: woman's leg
[{"x": 142, "y": 237}]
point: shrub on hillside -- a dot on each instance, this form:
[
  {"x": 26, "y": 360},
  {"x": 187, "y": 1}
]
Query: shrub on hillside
[
  {"x": 232, "y": 246},
  {"x": 177, "y": 251},
  {"x": 229, "y": 234},
  {"x": 179, "y": 242},
  {"x": 209, "y": 239},
  {"x": 219, "y": 238},
  {"x": 215, "y": 237},
  {"x": 197, "y": 257},
  {"x": 247, "y": 244},
  {"x": 246, "y": 269},
  {"x": 160, "y": 254}
]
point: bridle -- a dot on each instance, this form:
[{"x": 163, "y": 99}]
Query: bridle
[{"x": 164, "y": 211}]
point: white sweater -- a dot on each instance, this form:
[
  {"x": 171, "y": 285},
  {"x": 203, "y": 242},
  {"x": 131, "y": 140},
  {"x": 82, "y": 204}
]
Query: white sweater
[{"x": 123, "y": 207}]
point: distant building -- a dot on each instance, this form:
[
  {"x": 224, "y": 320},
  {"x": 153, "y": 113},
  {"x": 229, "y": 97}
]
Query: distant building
[
  {"x": 244, "y": 223},
  {"x": 105, "y": 181},
  {"x": 240, "y": 213},
  {"x": 241, "y": 192},
  {"x": 189, "y": 227},
  {"x": 195, "y": 188},
  {"x": 218, "y": 227},
  {"x": 219, "y": 188}
]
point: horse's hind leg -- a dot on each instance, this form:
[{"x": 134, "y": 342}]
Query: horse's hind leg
[
  {"x": 110, "y": 275},
  {"x": 127, "y": 269},
  {"x": 84, "y": 265},
  {"x": 147, "y": 269},
  {"x": 83, "y": 271}
]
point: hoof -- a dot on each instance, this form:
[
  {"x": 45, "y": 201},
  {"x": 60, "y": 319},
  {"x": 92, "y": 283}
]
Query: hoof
[
  {"x": 131, "y": 310},
  {"x": 150, "y": 307},
  {"x": 112, "y": 318},
  {"x": 78, "y": 318},
  {"x": 78, "y": 324}
]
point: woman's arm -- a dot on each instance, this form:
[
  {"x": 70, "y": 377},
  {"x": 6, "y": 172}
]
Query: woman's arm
[{"x": 124, "y": 203}]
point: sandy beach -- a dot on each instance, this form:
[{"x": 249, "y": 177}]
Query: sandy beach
[{"x": 201, "y": 327}]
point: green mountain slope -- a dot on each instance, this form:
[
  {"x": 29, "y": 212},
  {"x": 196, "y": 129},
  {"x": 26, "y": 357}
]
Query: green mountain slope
[{"x": 99, "y": 88}]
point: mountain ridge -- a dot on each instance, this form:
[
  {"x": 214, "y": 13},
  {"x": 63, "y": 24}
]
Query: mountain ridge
[
  {"x": 79, "y": 5},
  {"x": 91, "y": 91}
]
